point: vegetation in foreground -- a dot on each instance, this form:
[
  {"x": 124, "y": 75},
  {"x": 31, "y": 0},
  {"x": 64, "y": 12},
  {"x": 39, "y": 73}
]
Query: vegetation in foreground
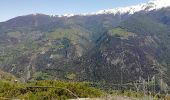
[
  {"x": 47, "y": 90},
  {"x": 62, "y": 90}
]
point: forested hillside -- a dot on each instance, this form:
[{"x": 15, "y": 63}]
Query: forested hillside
[{"x": 109, "y": 48}]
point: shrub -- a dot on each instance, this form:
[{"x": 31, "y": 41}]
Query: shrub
[{"x": 48, "y": 90}]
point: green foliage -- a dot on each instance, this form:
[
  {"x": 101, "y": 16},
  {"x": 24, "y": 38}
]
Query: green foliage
[
  {"x": 38, "y": 76},
  {"x": 142, "y": 24},
  {"x": 14, "y": 34},
  {"x": 119, "y": 32},
  {"x": 133, "y": 94},
  {"x": 11, "y": 89},
  {"x": 6, "y": 76},
  {"x": 59, "y": 46},
  {"x": 71, "y": 34},
  {"x": 71, "y": 76},
  {"x": 47, "y": 90}
]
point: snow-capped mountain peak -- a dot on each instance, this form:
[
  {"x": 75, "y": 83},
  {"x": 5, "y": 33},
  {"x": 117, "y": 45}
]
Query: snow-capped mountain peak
[
  {"x": 151, "y": 5},
  {"x": 158, "y": 4}
]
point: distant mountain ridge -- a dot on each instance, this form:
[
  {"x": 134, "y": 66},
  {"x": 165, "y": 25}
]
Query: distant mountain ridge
[{"x": 149, "y": 6}]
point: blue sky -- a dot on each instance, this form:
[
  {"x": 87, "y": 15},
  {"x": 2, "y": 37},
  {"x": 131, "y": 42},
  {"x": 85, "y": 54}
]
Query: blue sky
[{"x": 13, "y": 8}]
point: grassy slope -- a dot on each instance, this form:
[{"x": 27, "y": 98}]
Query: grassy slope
[{"x": 119, "y": 32}]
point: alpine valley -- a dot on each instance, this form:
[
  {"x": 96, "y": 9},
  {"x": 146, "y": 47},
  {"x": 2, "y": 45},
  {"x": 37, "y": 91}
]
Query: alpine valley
[{"x": 120, "y": 45}]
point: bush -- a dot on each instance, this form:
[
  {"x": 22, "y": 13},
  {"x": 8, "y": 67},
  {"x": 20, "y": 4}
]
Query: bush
[{"x": 48, "y": 90}]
